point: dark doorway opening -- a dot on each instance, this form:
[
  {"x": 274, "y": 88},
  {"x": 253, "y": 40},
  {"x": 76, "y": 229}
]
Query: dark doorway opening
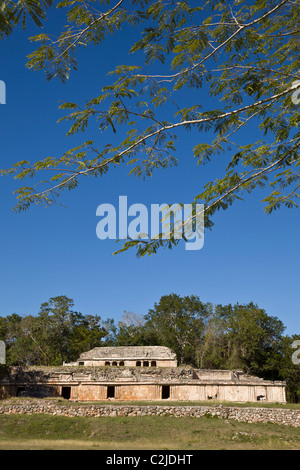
[
  {"x": 260, "y": 397},
  {"x": 111, "y": 391},
  {"x": 66, "y": 392},
  {"x": 165, "y": 392},
  {"x": 20, "y": 391}
]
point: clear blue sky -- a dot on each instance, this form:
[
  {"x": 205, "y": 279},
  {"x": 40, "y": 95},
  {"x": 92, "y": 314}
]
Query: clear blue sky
[{"x": 247, "y": 257}]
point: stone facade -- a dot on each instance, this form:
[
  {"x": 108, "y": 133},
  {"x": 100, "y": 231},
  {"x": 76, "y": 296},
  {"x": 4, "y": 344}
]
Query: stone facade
[
  {"x": 134, "y": 383},
  {"x": 136, "y": 373},
  {"x": 128, "y": 356}
]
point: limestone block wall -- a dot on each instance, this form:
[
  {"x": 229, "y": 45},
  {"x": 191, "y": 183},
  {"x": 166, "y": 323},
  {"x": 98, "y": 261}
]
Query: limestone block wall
[
  {"x": 178, "y": 392},
  {"x": 228, "y": 392},
  {"x": 138, "y": 392},
  {"x": 165, "y": 363},
  {"x": 128, "y": 363},
  {"x": 88, "y": 392},
  {"x": 212, "y": 374},
  {"x": 281, "y": 416},
  {"x": 150, "y": 391}
]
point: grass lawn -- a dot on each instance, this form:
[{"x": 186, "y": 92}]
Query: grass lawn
[{"x": 42, "y": 432}]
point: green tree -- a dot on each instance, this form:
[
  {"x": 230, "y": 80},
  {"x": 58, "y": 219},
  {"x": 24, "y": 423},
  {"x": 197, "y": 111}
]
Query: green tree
[
  {"x": 245, "y": 56},
  {"x": 247, "y": 338},
  {"x": 178, "y": 322},
  {"x": 289, "y": 371},
  {"x": 57, "y": 334},
  {"x": 130, "y": 330},
  {"x": 211, "y": 353},
  {"x": 3, "y": 328},
  {"x": 69, "y": 333},
  {"x": 87, "y": 333},
  {"x": 58, "y": 317},
  {"x": 14, "y": 12},
  {"x": 12, "y": 329}
]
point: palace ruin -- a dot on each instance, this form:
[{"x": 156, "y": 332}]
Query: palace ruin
[{"x": 137, "y": 373}]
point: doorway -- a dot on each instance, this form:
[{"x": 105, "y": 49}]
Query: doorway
[
  {"x": 66, "y": 392},
  {"x": 111, "y": 391}
]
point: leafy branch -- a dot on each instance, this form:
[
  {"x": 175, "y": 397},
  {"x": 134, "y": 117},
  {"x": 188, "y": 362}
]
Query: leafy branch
[{"x": 245, "y": 58}]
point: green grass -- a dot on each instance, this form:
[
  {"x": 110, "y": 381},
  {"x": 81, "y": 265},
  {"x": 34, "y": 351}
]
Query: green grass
[{"x": 148, "y": 432}]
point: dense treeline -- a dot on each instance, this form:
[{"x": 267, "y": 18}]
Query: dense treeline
[{"x": 237, "y": 336}]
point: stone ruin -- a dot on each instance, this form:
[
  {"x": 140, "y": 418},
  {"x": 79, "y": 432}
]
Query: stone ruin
[
  {"x": 136, "y": 374},
  {"x": 128, "y": 356}
]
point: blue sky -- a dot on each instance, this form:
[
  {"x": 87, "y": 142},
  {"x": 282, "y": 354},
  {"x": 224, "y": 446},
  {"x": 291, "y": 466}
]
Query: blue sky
[{"x": 248, "y": 256}]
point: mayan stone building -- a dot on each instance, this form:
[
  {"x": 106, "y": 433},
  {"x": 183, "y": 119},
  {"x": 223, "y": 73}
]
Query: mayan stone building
[
  {"x": 128, "y": 356},
  {"x": 136, "y": 373}
]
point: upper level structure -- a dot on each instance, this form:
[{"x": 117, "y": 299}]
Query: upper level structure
[{"x": 128, "y": 356}]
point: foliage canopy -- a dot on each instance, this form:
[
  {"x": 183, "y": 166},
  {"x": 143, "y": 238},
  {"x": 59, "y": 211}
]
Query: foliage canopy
[
  {"x": 14, "y": 12},
  {"x": 244, "y": 55}
]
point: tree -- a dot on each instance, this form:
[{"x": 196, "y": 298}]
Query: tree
[
  {"x": 130, "y": 330},
  {"x": 243, "y": 55},
  {"x": 14, "y": 12},
  {"x": 179, "y": 322},
  {"x": 289, "y": 371},
  {"x": 244, "y": 337},
  {"x": 212, "y": 351},
  {"x": 12, "y": 332},
  {"x": 59, "y": 321},
  {"x": 87, "y": 333},
  {"x": 68, "y": 332},
  {"x": 56, "y": 334}
]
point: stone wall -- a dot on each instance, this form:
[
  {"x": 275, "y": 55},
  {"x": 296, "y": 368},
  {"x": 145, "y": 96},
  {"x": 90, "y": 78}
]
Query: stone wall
[
  {"x": 244, "y": 414},
  {"x": 100, "y": 383},
  {"x": 126, "y": 363},
  {"x": 91, "y": 391},
  {"x": 129, "y": 356}
]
